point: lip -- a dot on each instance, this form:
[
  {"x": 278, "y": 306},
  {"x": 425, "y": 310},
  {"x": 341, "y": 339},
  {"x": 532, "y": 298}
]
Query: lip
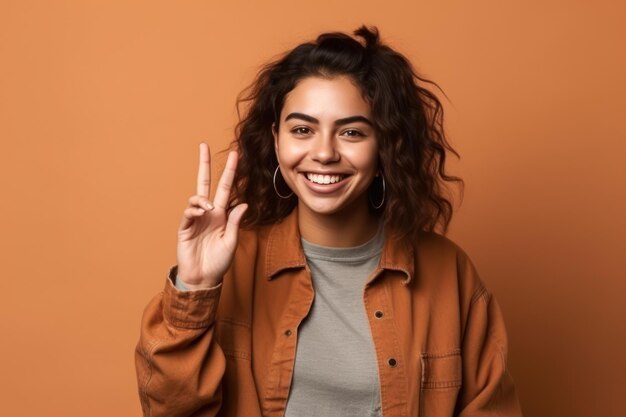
[
  {"x": 324, "y": 188},
  {"x": 318, "y": 172}
]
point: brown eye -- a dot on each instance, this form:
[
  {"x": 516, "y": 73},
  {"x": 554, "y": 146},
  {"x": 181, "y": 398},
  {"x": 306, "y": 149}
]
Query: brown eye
[
  {"x": 301, "y": 130},
  {"x": 353, "y": 133}
]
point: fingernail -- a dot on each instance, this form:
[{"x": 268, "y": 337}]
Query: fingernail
[{"x": 209, "y": 206}]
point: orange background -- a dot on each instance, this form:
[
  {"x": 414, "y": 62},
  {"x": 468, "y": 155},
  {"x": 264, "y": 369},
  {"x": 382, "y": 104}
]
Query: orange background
[{"x": 103, "y": 104}]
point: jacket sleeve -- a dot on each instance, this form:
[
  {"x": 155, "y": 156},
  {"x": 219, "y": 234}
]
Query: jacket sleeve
[
  {"x": 179, "y": 365},
  {"x": 487, "y": 388}
]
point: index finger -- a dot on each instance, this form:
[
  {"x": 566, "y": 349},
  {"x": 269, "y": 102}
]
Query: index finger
[
  {"x": 222, "y": 194},
  {"x": 204, "y": 171}
]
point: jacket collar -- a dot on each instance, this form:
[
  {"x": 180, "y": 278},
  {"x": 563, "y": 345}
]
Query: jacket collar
[{"x": 284, "y": 251}]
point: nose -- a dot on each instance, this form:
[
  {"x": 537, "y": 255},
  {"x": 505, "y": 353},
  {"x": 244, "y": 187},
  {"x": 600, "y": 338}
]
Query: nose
[{"x": 324, "y": 149}]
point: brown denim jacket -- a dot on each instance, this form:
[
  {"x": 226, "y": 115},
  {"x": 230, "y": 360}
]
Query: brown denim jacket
[{"x": 439, "y": 336}]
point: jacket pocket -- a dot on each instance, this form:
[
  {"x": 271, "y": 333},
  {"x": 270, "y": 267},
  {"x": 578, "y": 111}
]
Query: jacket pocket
[
  {"x": 234, "y": 338},
  {"x": 440, "y": 383}
]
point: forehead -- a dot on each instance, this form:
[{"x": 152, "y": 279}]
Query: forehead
[{"x": 330, "y": 98}]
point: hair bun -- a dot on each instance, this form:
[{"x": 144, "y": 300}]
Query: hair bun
[{"x": 370, "y": 36}]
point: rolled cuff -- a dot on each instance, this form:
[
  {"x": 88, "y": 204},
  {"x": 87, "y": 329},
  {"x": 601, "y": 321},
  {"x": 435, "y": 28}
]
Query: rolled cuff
[{"x": 192, "y": 309}]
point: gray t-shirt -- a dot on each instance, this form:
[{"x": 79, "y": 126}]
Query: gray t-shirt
[{"x": 335, "y": 371}]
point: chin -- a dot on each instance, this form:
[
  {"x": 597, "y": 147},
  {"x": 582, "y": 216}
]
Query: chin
[
  {"x": 326, "y": 208},
  {"x": 323, "y": 210}
]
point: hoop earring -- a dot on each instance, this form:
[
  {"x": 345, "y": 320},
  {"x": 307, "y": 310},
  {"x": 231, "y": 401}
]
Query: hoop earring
[
  {"x": 276, "y": 189},
  {"x": 369, "y": 194}
]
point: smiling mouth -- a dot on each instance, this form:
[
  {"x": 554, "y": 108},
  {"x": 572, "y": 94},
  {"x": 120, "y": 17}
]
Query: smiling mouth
[{"x": 324, "y": 179}]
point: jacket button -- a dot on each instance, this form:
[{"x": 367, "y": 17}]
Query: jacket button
[
  {"x": 392, "y": 362},
  {"x": 288, "y": 332},
  {"x": 378, "y": 314}
]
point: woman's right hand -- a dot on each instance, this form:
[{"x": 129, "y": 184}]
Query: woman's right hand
[{"x": 207, "y": 235}]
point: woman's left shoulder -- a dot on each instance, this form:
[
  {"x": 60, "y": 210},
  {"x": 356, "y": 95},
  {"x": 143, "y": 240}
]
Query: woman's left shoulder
[
  {"x": 437, "y": 246},
  {"x": 441, "y": 257}
]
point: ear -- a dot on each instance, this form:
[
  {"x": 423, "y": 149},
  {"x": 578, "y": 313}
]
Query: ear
[{"x": 275, "y": 134}]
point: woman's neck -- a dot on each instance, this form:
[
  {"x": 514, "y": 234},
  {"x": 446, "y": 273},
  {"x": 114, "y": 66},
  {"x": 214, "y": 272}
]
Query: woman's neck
[{"x": 347, "y": 228}]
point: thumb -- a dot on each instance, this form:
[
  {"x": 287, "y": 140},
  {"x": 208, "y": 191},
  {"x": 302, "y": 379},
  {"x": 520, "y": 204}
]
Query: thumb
[{"x": 234, "y": 218}]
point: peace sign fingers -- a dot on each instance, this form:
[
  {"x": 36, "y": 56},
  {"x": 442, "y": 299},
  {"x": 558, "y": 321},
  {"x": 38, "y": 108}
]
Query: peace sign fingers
[{"x": 207, "y": 235}]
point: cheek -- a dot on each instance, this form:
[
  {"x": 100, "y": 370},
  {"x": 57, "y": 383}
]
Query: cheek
[
  {"x": 289, "y": 152},
  {"x": 365, "y": 158}
]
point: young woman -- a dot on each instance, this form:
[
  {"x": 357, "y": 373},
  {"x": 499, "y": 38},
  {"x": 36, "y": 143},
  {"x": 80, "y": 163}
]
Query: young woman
[{"x": 312, "y": 283}]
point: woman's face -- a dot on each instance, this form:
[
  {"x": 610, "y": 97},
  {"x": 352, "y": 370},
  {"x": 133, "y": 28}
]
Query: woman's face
[{"x": 326, "y": 145}]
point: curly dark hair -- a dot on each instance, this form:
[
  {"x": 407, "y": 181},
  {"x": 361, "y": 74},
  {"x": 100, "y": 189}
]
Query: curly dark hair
[{"x": 408, "y": 121}]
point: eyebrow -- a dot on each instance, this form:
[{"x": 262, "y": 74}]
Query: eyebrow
[{"x": 338, "y": 122}]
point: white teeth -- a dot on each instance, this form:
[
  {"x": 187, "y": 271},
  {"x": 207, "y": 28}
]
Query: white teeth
[{"x": 324, "y": 179}]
